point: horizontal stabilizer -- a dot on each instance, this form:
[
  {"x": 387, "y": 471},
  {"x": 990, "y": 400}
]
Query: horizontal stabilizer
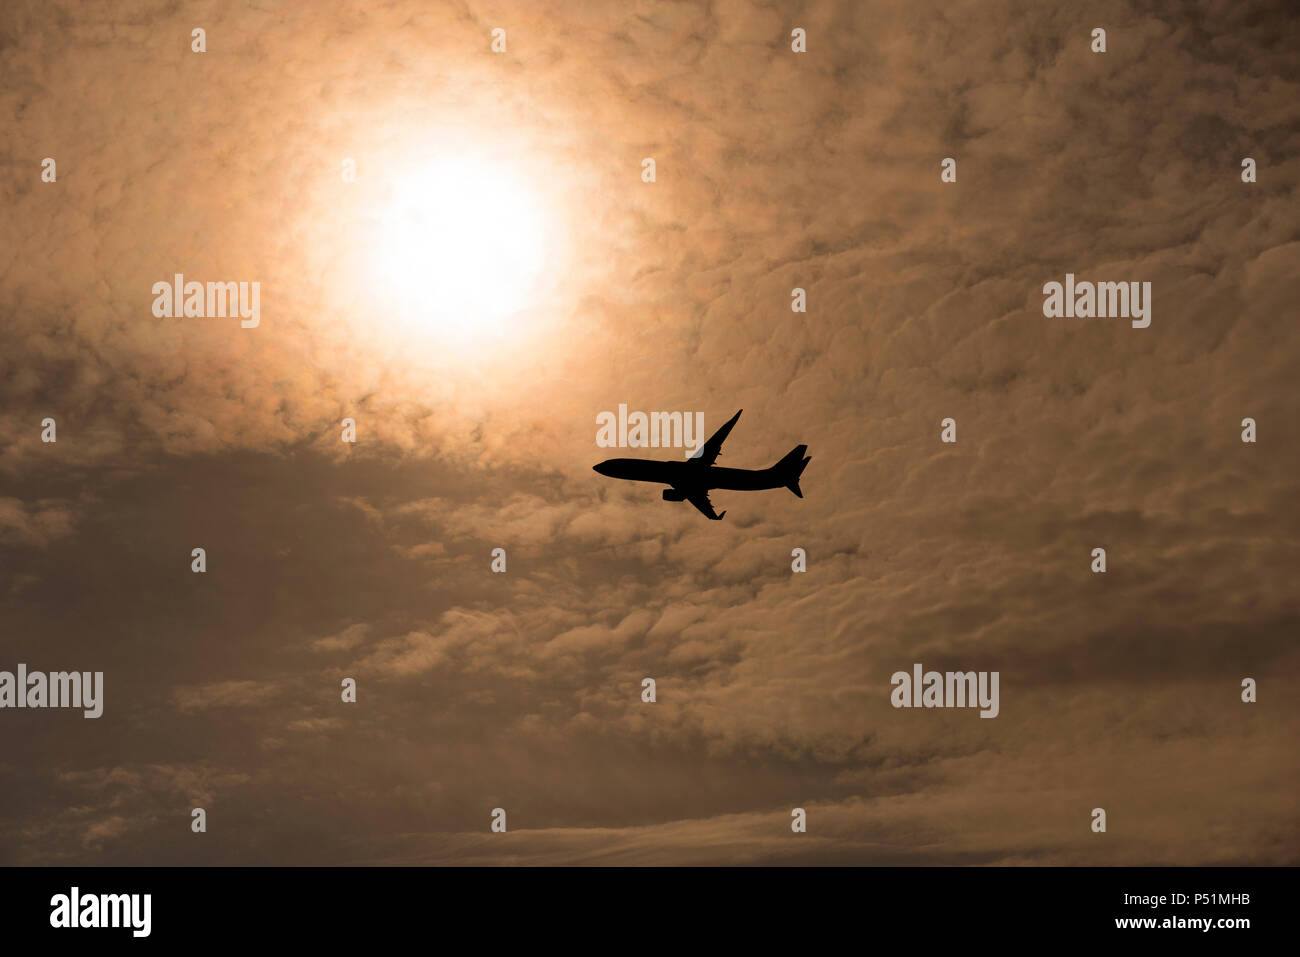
[{"x": 791, "y": 467}]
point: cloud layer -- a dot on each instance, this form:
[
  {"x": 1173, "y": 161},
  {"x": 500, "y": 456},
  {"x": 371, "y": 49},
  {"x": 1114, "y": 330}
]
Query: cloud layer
[{"x": 522, "y": 690}]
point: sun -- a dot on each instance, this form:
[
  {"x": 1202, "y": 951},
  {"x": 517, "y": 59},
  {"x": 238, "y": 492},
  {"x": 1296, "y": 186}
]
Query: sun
[{"x": 461, "y": 248}]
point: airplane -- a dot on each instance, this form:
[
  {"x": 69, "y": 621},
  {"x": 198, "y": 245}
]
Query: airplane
[{"x": 692, "y": 479}]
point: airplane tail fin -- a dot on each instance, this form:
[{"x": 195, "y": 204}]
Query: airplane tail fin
[{"x": 791, "y": 467}]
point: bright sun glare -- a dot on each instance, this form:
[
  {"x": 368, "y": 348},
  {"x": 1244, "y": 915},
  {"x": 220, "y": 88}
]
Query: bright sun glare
[{"x": 462, "y": 245}]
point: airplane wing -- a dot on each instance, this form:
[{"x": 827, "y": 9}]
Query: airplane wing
[
  {"x": 709, "y": 451},
  {"x": 701, "y": 501}
]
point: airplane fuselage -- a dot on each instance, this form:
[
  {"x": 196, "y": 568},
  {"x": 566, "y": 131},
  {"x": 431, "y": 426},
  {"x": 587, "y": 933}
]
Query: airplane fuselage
[
  {"x": 693, "y": 479},
  {"x": 689, "y": 474}
]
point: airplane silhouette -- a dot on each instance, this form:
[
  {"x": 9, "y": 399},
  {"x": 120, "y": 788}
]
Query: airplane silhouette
[{"x": 691, "y": 480}]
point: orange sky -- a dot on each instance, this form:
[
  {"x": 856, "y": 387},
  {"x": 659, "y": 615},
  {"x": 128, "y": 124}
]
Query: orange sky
[{"x": 774, "y": 170}]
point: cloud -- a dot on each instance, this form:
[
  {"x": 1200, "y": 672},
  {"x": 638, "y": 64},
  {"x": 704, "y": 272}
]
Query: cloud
[
  {"x": 223, "y": 694},
  {"x": 372, "y": 559},
  {"x": 345, "y": 640},
  {"x": 35, "y": 523}
]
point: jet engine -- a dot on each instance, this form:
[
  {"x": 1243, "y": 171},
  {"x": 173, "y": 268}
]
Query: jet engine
[{"x": 674, "y": 495}]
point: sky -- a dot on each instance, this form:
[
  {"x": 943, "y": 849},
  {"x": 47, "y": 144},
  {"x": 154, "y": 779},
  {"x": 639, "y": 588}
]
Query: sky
[{"x": 476, "y": 430}]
